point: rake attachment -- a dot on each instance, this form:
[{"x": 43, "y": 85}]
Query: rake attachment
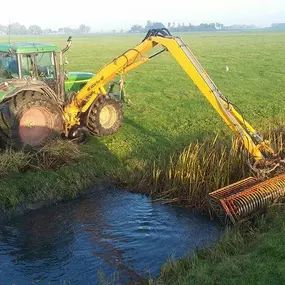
[{"x": 243, "y": 198}]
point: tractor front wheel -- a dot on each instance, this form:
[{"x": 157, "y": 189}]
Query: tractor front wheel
[{"x": 105, "y": 116}]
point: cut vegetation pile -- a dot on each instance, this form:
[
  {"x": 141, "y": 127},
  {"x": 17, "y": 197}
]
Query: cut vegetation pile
[{"x": 50, "y": 157}]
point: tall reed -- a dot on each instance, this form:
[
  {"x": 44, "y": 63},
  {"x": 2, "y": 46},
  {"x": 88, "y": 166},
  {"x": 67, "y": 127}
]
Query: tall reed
[
  {"x": 201, "y": 168},
  {"x": 188, "y": 177}
]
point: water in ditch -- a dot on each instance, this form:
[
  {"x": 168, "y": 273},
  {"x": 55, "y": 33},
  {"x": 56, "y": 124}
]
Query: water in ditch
[{"x": 108, "y": 234}]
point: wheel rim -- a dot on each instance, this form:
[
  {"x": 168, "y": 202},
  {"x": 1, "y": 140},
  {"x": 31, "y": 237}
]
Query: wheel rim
[
  {"x": 35, "y": 126},
  {"x": 108, "y": 116}
]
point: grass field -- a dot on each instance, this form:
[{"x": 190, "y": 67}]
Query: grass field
[{"x": 168, "y": 113}]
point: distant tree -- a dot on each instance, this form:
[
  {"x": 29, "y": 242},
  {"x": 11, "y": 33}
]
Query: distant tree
[
  {"x": 17, "y": 29},
  {"x": 48, "y": 31},
  {"x": 35, "y": 30},
  {"x": 3, "y": 29},
  {"x": 168, "y": 25},
  {"x": 66, "y": 30},
  {"x": 153, "y": 25},
  {"x": 219, "y": 26},
  {"x": 148, "y": 25},
  {"x": 207, "y": 27},
  {"x": 136, "y": 29},
  {"x": 184, "y": 28},
  {"x": 83, "y": 29},
  {"x": 191, "y": 27},
  {"x": 280, "y": 26},
  {"x": 212, "y": 26}
]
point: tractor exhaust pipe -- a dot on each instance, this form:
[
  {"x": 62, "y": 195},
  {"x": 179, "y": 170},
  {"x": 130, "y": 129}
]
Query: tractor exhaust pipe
[
  {"x": 61, "y": 70},
  {"x": 68, "y": 45}
]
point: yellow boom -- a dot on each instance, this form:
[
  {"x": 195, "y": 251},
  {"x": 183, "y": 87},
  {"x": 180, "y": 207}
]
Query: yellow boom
[{"x": 182, "y": 53}]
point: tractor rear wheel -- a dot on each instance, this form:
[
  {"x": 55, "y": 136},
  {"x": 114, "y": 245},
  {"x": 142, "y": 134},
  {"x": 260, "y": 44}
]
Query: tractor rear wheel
[
  {"x": 30, "y": 119},
  {"x": 105, "y": 116}
]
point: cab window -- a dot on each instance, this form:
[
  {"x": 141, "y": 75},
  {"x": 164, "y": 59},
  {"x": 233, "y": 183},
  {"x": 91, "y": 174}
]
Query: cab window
[
  {"x": 45, "y": 65},
  {"x": 8, "y": 66},
  {"x": 28, "y": 66}
]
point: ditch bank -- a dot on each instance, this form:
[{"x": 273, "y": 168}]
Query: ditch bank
[
  {"x": 31, "y": 180},
  {"x": 63, "y": 172}
]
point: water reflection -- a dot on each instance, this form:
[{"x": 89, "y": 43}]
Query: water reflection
[{"x": 110, "y": 230}]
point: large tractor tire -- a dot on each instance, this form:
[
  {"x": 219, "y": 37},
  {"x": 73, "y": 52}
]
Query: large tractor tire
[
  {"x": 105, "y": 116},
  {"x": 30, "y": 119}
]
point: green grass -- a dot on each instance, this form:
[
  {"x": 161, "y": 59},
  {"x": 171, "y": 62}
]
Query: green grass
[
  {"x": 243, "y": 256},
  {"x": 167, "y": 114}
]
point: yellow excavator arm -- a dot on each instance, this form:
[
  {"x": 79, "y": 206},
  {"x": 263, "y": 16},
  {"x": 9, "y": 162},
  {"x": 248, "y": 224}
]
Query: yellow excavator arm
[
  {"x": 137, "y": 56},
  {"x": 238, "y": 200}
]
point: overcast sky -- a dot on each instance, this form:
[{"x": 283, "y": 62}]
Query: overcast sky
[{"x": 109, "y": 14}]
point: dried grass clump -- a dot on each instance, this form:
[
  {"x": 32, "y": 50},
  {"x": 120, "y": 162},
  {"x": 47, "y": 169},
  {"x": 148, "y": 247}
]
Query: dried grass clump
[{"x": 51, "y": 156}]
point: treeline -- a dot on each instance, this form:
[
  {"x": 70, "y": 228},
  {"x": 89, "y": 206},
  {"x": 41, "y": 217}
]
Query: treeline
[
  {"x": 278, "y": 26},
  {"x": 182, "y": 27},
  {"x": 19, "y": 29},
  {"x": 176, "y": 27}
]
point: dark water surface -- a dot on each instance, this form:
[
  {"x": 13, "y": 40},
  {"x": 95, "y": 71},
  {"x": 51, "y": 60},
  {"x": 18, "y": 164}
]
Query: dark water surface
[{"x": 108, "y": 230}]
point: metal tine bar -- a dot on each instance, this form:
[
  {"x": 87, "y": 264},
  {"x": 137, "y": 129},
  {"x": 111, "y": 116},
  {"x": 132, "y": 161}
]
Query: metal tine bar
[{"x": 241, "y": 203}]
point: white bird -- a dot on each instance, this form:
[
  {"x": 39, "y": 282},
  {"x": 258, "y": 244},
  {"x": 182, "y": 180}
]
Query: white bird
[{"x": 227, "y": 69}]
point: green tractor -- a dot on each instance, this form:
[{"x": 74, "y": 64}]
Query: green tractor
[{"x": 34, "y": 87}]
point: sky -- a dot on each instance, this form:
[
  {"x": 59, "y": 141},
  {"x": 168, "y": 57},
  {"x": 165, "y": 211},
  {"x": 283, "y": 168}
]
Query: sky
[{"x": 122, "y": 14}]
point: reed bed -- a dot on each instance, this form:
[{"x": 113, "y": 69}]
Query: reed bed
[{"x": 187, "y": 178}]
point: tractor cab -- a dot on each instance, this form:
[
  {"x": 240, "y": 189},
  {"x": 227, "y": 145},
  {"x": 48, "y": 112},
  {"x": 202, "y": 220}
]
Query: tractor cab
[
  {"x": 35, "y": 61},
  {"x": 28, "y": 61},
  {"x": 24, "y": 62}
]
